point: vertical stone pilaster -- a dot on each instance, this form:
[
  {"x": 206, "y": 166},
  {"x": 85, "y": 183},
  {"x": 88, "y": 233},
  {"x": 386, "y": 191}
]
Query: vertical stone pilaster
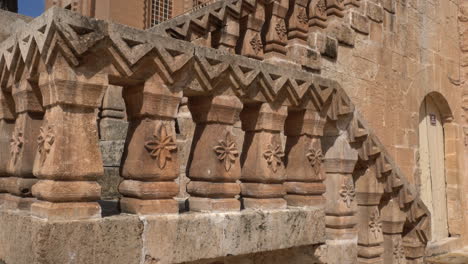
[
  {"x": 253, "y": 44},
  {"x": 369, "y": 191},
  {"x": 305, "y": 171},
  {"x": 393, "y": 220},
  {"x": 68, "y": 160},
  {"x": 341, "y": 205},
  {"x": 277, "y": 34},
  {"x": 150, "y": 162},
  {"x": 214, "y": 165},
  {"x": 263, "y": 171},
  {"x": 230, "y": 33},
  {"x": 7, "y": 125},
  {"x": 23, "y": 144}
]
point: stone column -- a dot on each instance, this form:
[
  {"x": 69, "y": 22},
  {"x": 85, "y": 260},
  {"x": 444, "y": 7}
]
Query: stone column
[
  {"x": 369, "y": 191},
  {"x": 297, "y": 49},
  {"x": 304, "y": 170},
  {"x": 214, "y": 165},
  {"x": 341, "y": 206},
  {"x": 230, "y": 33},
  {"x": 253, "y": 44},
  {"x": 263, "y": 171},
  {"x": 393, "y": 220},
  {"x": 7, "y": 125},
  {"x": 150, "y": 162},
  {"x": 68, "y": 160},
  {"x": 277, "y": 34},
  {"x": 23, "y": 144}
]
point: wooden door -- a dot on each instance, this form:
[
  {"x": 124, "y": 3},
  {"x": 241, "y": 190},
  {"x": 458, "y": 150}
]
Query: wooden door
[{"x": 432, "y": 165}]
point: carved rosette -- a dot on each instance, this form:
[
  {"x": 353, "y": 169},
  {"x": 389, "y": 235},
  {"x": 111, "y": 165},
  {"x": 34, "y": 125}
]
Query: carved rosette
[
  {"x": 347, "y": 192},
  {"x": 45, "y": 140},
  {"x": 321, "y": 8},
  {"x": 226, "y": 151},
  {"x": 281, "y": 30},
  {"x": 256, "y": 44},
  {"x": 160, "y": 146},
  {"x": 315, "y": 157},
  {"x": 399, "y": 252},
  {"x": 273, "y": 155},
  {"x": 375, "y": 224},
  {"x": 302, "y": 17},
  {"x": 16, "y": 144}
]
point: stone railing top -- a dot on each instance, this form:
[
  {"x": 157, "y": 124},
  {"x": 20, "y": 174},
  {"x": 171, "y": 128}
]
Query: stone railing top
[{"x": 72, "y": 36}]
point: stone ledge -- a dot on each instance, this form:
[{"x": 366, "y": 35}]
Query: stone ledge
[{"x": 174, "y": 238}]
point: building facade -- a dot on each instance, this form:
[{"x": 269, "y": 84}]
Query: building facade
[{"x": 140, "y": 14}]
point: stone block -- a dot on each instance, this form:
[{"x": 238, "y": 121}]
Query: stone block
[
  {"x": 112, "y": 152},
  {"x": 374, "y": 12},
  {"x": 389, "y": 6},
  {"x": 330, "y": 48},
  {"x": 360, "y": 23},
  {"x": 112, "y": 129},
  {"x": 113, "y": 99},
  {"x": 110, "y": 183}
]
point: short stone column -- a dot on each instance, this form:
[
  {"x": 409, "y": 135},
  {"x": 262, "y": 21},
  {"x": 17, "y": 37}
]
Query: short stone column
[
  {"x": 215, "y": 156},
  {"x": 23, "y": 144},
  {"x": 277, "y": 34},
  {"x": 263, "y": 171},
  {"x": 393, "y": 220},
  {"x": 369, "y": 191},
  {"x": 253, "y": 45},
  {"x": 305, "y": 171},
  {"x": 341, "y": 206},
  {"x": 68, "y": 160},
  {"x": 230, "y": 33},
  {"x": 150, "y": 161},
  {"x": 7, "y": 125}
]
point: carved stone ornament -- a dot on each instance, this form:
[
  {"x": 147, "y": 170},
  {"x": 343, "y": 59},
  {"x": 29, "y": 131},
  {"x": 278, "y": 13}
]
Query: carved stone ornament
[
  {"x": 399, "y": 253},
  {"x": 321, "y": 7},
  {"x": 375, "y": 225},
  {"x": 281, "y": 30},
  {"x": 302, "y": 17},
  {"x": 226, "y": 151},
  {"x": 45, "y": 140},
  {"x": 348, "y": 193},
  {"x": 273, "y": 156},
  {"x": 256, "y": 44},
  {"x": 315, "y": 157},
  {"x": 16, "y": 143},
  {"x": 160, "y": 146}
]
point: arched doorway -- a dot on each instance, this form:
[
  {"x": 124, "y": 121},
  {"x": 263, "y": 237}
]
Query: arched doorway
[{"x": 432, "y": 166}]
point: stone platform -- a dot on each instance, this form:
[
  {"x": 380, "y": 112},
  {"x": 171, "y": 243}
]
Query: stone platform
[{"x": 176, "y": 238}]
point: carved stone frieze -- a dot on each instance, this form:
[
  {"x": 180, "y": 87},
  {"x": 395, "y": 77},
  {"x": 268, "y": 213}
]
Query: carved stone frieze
[
  {"x": 281, "y": 30},
  {"x": 45, "y": 140},
  {"x": 273, "y": 155},
  {"x": 16, "y": 144},
  {"x": 399, "y": 252},
  {"x": 315, "y": 157},
  {"x": 256, "y": 44},
  {"x": 302, "y": 17},
  {"x": 347, "y": 192},
  {"x": 375, "y": 224}
]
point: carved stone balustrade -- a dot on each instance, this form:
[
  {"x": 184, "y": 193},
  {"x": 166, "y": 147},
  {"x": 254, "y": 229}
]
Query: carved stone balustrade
[
  {"x": 150, "y": 162},
  {"x": 263, "y": 171},
  {"x": 24, "y": 143},
  {"x": 305, "y": 171},
  {"x": 215, "y": 161},
  {"x": 68, "y": 159}
]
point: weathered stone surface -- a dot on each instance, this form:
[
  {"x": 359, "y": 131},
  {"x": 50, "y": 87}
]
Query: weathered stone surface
[
  {"x": 110, "y": 183},
  {"x": 112, "y": 152},
  {"x": 112, "y": 129},
  {"x": 10, "y": 23}
]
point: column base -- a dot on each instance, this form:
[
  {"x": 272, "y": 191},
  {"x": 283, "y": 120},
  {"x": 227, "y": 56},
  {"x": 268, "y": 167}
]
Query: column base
[
  {"x": 149, "y": 207},
  {"x": 66, "y": 211},
  {"x": 13, "y": 202},
  {"x": 370, "y": 261},
  {"x": 264, "y": 204},
  {"x": 197, "y": 204},
  {"x": 304, "y": 200}
]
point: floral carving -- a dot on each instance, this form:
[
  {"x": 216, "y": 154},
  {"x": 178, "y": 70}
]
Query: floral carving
[
  {"x": 399, "y": 252},
  {"x": 321, "y": 7},
  {"x": 348, "y": 193},
  {"x": 315, "y": 157},
  {"x": 160, "y": 146},
  {"x": 273, "y": 155},
  {"x": 16, "y": 143},
  {"x": 226, "y": 151},
  {"x": 375, "y": 225},
  {"x": 256, "y": 44},
  {"x": 302, "y": 17},
  {"x": 281, "y": 30},
  {"x": 45, "y": 140}
]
